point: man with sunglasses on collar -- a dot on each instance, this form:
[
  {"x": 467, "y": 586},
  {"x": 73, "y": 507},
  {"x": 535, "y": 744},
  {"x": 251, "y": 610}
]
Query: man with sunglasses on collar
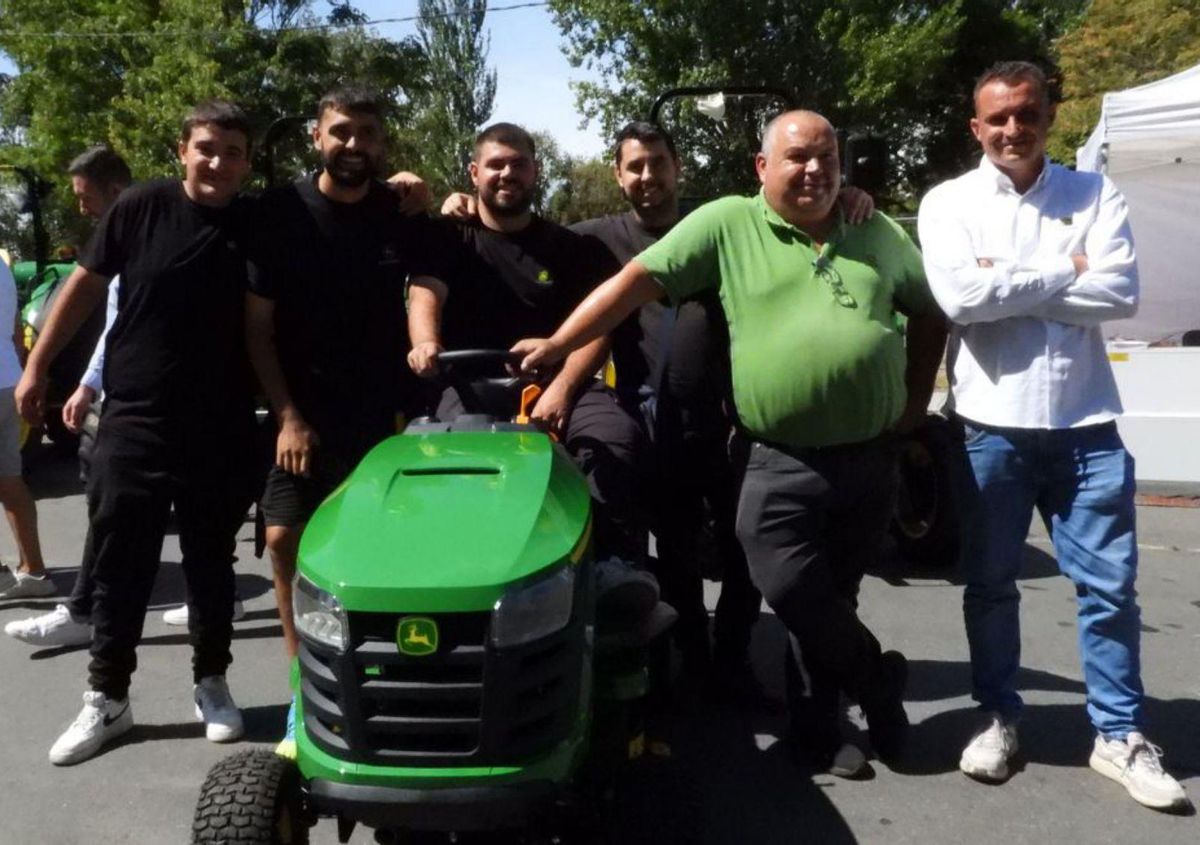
[{"x": 822, "y": 380}]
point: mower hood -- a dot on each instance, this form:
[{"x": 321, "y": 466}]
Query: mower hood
[{"x": 446, "y": 522}]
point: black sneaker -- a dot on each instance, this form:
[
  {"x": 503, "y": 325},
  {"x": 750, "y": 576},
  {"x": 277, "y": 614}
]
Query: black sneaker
[
  {"x": 883, "y": 705},
  {"x": 625, "y": 595}
]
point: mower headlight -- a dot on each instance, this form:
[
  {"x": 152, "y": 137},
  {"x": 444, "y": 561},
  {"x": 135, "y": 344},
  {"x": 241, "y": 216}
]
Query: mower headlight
[
  {"x": 319, "y": 616},
  {"x": 534, "y": 611}
]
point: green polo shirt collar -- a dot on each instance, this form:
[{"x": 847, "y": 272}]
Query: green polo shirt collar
[{"x": 776, "y": 221}]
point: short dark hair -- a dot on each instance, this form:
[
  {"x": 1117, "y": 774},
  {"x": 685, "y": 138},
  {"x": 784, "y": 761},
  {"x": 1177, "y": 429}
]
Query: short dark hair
[
  {"x": 1013, "y": 73},
  {"x": 101, "y": 166},
  {"x": 508, "y": 134},
  {"x": 647, "y": 133},
  {"x": 220, "y": 113},
  {"x": 351, "y": 97}
]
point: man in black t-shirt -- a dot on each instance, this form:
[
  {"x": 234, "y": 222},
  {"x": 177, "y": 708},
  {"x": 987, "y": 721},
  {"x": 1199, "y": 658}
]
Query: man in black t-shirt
[
  {"x": 518, "y": 272},
  {"x": 682, "y": 400},
  {"x": 177, "y": 423},
  {"x": 324, "y": 321}
]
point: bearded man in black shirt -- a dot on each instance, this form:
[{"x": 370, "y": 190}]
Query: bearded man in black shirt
[
  {"x": 325, "y": 320},
  {"x": 177, "y": 423},
  {"x": 514, "y": 272}
]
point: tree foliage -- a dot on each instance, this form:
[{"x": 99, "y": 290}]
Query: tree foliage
[
  {"x": 902, "y": 68},
  {"x": 554, "y": 168},
  {"x": 589, "y": 190},
  {"x": 1120, "y": 44},
  {"x": 461, "y": 88},
  {"x": 131, "y": 68}
]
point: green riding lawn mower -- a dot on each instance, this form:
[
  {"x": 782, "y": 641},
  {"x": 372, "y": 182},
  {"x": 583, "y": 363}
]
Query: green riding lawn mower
[
  {"x": 454, "y": 676},
  {"x": 455, "y": 682}
]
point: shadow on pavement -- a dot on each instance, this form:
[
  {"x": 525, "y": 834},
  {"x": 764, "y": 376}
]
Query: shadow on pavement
[
  {"x": 264, "y": 723},
  {"x": 895, "y": 570},
  {"x": 1051, "y": 734},
  {"x": 749, "y": 789},
  {"x": 935, "y": 680},
  {"x": 1055, "y": 735}
]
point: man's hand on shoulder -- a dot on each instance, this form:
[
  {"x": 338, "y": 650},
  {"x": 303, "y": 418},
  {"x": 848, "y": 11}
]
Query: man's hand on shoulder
[
  {"x": 422, "y": 358},
  {"x": 460, "y": 206},
  {"x": 295, "y": 445},
  {"x": 857, "y": 204},
  {"x": 412, "y": 190}
]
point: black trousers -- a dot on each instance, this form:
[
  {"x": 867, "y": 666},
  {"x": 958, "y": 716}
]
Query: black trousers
[
  {"x": 695, "y": 479},
  {"x": 130, "y": 495},
  {"x": 80, "y": 600},
  {"x": 610, "y": 448},
  {"x": 79, "y": 603},
  {"x": 811, "y": 521}
]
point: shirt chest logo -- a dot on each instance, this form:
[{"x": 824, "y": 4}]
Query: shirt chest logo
[
  {"x": 388, "y": 256},
  {"x": 543, "y": 278}
]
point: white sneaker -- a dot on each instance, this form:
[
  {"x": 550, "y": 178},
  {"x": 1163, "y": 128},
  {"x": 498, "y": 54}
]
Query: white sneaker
[
  {"x": 215, "y": 708},
  {"x": 987, "y": 754},
  {"x": 98, "y": 722},
  {"x": 58, "y": 627},
  {"x": 26, "y": 586},
  {"x": 1136, "y": 764},
  {"x": 178, "y": 616}
]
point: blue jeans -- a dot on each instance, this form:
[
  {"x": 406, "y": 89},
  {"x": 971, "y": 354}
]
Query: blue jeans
[{"x": 1081, "y": 482}]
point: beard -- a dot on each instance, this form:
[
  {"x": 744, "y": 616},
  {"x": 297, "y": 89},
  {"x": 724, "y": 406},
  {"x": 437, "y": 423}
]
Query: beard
[
  {"x": 350, "y": 175},
  {"x": 515, "y": 207}
]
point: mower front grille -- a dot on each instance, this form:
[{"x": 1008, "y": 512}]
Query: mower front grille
[{"x": 466, "y": 704}]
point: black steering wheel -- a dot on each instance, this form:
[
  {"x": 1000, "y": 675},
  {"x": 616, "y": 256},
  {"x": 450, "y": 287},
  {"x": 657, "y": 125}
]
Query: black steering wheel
[{"x": 474, "y": 375}]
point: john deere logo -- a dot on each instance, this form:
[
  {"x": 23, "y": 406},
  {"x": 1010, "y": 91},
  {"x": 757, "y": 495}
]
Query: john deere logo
[
  {"x": 417, "y": 636},
  {"x": 543, "y": 277}
]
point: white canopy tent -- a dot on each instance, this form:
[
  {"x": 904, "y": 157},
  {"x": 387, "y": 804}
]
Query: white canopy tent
[{"x": 1148, "y": 142}]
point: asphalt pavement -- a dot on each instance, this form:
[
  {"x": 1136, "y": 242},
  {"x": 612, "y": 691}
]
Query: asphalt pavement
[{"x": 743, "y": 788}]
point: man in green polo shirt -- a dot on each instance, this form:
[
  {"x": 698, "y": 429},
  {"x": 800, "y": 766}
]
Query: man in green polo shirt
[{"x": 822, "y": 381}]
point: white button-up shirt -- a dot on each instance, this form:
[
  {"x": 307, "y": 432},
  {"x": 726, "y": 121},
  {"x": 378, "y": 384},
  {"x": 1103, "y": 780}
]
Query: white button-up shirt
[{"x": 1026, "y": 350}]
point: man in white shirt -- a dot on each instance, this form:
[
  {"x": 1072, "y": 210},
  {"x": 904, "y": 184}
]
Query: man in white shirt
[
  {"x": 1027, "y": 259},
  {"x": 98, "y": 176}
]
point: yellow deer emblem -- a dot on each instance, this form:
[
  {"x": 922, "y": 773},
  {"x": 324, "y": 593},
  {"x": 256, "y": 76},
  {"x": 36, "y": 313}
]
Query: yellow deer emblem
[{"x": 417, "y": 636}]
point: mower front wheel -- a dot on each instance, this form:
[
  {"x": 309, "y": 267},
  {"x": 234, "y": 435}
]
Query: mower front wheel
[{"x": 251, "y": 797}]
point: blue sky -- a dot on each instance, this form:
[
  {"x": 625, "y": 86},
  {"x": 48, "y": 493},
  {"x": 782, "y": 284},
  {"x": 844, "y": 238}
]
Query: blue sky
[{"x": 533, "y": 74}]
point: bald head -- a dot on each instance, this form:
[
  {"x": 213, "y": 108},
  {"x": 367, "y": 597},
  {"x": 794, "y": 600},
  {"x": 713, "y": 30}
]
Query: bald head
[
  {"x": 791, "y": 122},
  {"x": 800, "y": 171}
]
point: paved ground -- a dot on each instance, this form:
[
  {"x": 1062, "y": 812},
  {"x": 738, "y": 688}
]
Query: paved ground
[{"x": 143, "y": 790}]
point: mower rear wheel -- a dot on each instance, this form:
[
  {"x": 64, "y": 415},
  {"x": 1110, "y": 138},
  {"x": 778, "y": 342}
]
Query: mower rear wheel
[
  {"x": 251, "y": 797},
  {"x": 925, "y": 524}
]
